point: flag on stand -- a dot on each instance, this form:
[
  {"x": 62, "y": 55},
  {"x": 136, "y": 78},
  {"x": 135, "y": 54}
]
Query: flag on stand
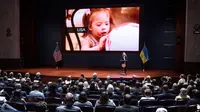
[
  {"x": 144, "y": 55},
  {"x": 57, "y": 54}
]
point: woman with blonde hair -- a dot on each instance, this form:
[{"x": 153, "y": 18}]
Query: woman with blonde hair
[{"x": 183, "y": 95}]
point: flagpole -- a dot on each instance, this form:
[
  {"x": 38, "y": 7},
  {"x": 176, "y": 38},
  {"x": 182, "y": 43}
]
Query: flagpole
[
  {"x": 143, "y": 67},
  {"x": 143, "y": 63},
  {"x": 56, "y": 62}
]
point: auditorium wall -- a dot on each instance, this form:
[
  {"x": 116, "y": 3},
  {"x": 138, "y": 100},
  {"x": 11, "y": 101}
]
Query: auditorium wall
[
  {"x": 157, "y": 30},
  {"x": 9, "y": 33},
  {"x": 192, "y": 36}
]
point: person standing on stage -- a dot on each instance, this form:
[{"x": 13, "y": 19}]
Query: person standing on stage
[{"x": 124, "y": 63}]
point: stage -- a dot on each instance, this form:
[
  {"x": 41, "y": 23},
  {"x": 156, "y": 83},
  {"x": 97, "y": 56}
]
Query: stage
[{"x": 51, "y": 74}]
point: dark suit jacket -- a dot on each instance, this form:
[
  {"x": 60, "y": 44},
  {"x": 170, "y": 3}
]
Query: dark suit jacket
[
  {"x": 193, "y": 101},
  {"x": 165, "y": 96},
  {"x": 127, "y": 108}
]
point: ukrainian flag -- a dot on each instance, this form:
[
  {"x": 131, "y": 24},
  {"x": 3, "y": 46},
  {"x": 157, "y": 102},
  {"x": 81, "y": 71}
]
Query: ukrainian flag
[{"x": 144, "y": 54}]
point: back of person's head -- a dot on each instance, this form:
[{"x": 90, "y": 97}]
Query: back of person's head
[
  {"x": 41, "y": 107},
  {"x": 121, "y": 78},
  {"x": 1, "y": 79},
  {"x": 110, "y": 87},
  {"x": 154, "y": 81},
  {"x": 127, "y": 99},
  {"x": 161, "y": 110},
  {"x": 53, "y": 87},
  {"x": 69, "y": 77},
  {"x": 196, "y": 93},
  {"x": 137, "y": 84},
  {"x": 38, "y": 74},
  {"x": 85, "y": 85},
  {"x": 165, "y": 88},
  {"x": 82, "y": 75},
  {"x": 82, "y": 97},
  {"x": 5, "y": 73},
  {"x": 182, "y": 76},
  {"x": 108, "y": 77},
  {"x": 18, "y": 86},
  {"x": 11, "y": 74},
  {"x": 104, "y": 98},
  {"x": 174, "y": 86},
  {"x": 147, "y": 92},
  {"x": 197, "y": 75},
  {"x": 16, "y": 95},
  {"x": 19, "y": 75},
  {"x": 27, "y": 74},
  {"x": 94, "y": 75},
  {"x": 100, "y": 83},
  {"x": 92, "y": 85},
  {"x": 69, "y": 99},
  {"x": 191, "y": 82},
  {"x": 64, "y": 88},
  {"x": 73, "y": 88},
  {"x": 183, "y": 92},
  {"x": 60, "y": 80},
  {"x": 122, "y": 86},
  {"x": 114, "y": 84},
  {"x": 80, "y": 86},
  {"x": 127, "y": 89},
  {"x": 35, "y": 87}
]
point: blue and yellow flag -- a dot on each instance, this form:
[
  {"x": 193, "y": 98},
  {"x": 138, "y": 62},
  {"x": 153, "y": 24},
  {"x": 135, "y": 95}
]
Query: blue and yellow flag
[{"x": 144, "y": 55}]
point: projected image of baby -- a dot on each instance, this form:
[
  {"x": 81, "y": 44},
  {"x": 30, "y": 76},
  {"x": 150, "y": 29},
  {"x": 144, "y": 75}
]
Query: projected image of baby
[{"x": 99, "y": 22}]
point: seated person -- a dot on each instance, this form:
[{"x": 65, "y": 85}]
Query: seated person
[
  {"x": 127, "y": 107},
  {"x": 147, "y": 95},
  {"x": 41, "y": 107},
  {"x": 104, "y": 100},
  {"x": 161, "y": 110},
  {"x": 52, "y": 90},
  {"x": 182, "y": 80},
  {"x": 68, "y": 104},
  {"x": 35, "y": 92},
  {"x": 82, "y": 100},
  {"x": 196, "y": 98},
  {"x": 165, "y": 94},
  {"x": 183, "y": 95},
  {"x": 94, "y": 78}
]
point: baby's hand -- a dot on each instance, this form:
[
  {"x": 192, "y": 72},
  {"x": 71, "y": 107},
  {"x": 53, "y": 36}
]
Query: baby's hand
[{"x": 102, "y": 42}]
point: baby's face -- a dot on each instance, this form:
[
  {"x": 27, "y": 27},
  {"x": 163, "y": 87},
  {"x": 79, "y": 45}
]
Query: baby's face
[{"x": 100, "y": 25}]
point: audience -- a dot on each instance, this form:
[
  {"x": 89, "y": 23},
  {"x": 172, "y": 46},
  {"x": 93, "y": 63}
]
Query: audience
[{"x": 16, "y": 88}]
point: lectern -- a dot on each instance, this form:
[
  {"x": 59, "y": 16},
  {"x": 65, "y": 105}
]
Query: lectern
[{"x": 123, "y": 65}]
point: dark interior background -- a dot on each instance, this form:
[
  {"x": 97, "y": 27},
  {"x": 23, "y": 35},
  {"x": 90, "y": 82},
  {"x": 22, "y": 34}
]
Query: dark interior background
[{"x": 42, "y": 25}]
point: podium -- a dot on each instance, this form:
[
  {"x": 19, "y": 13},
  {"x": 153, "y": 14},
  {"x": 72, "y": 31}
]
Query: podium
[{"x": 123, "y": 65}]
